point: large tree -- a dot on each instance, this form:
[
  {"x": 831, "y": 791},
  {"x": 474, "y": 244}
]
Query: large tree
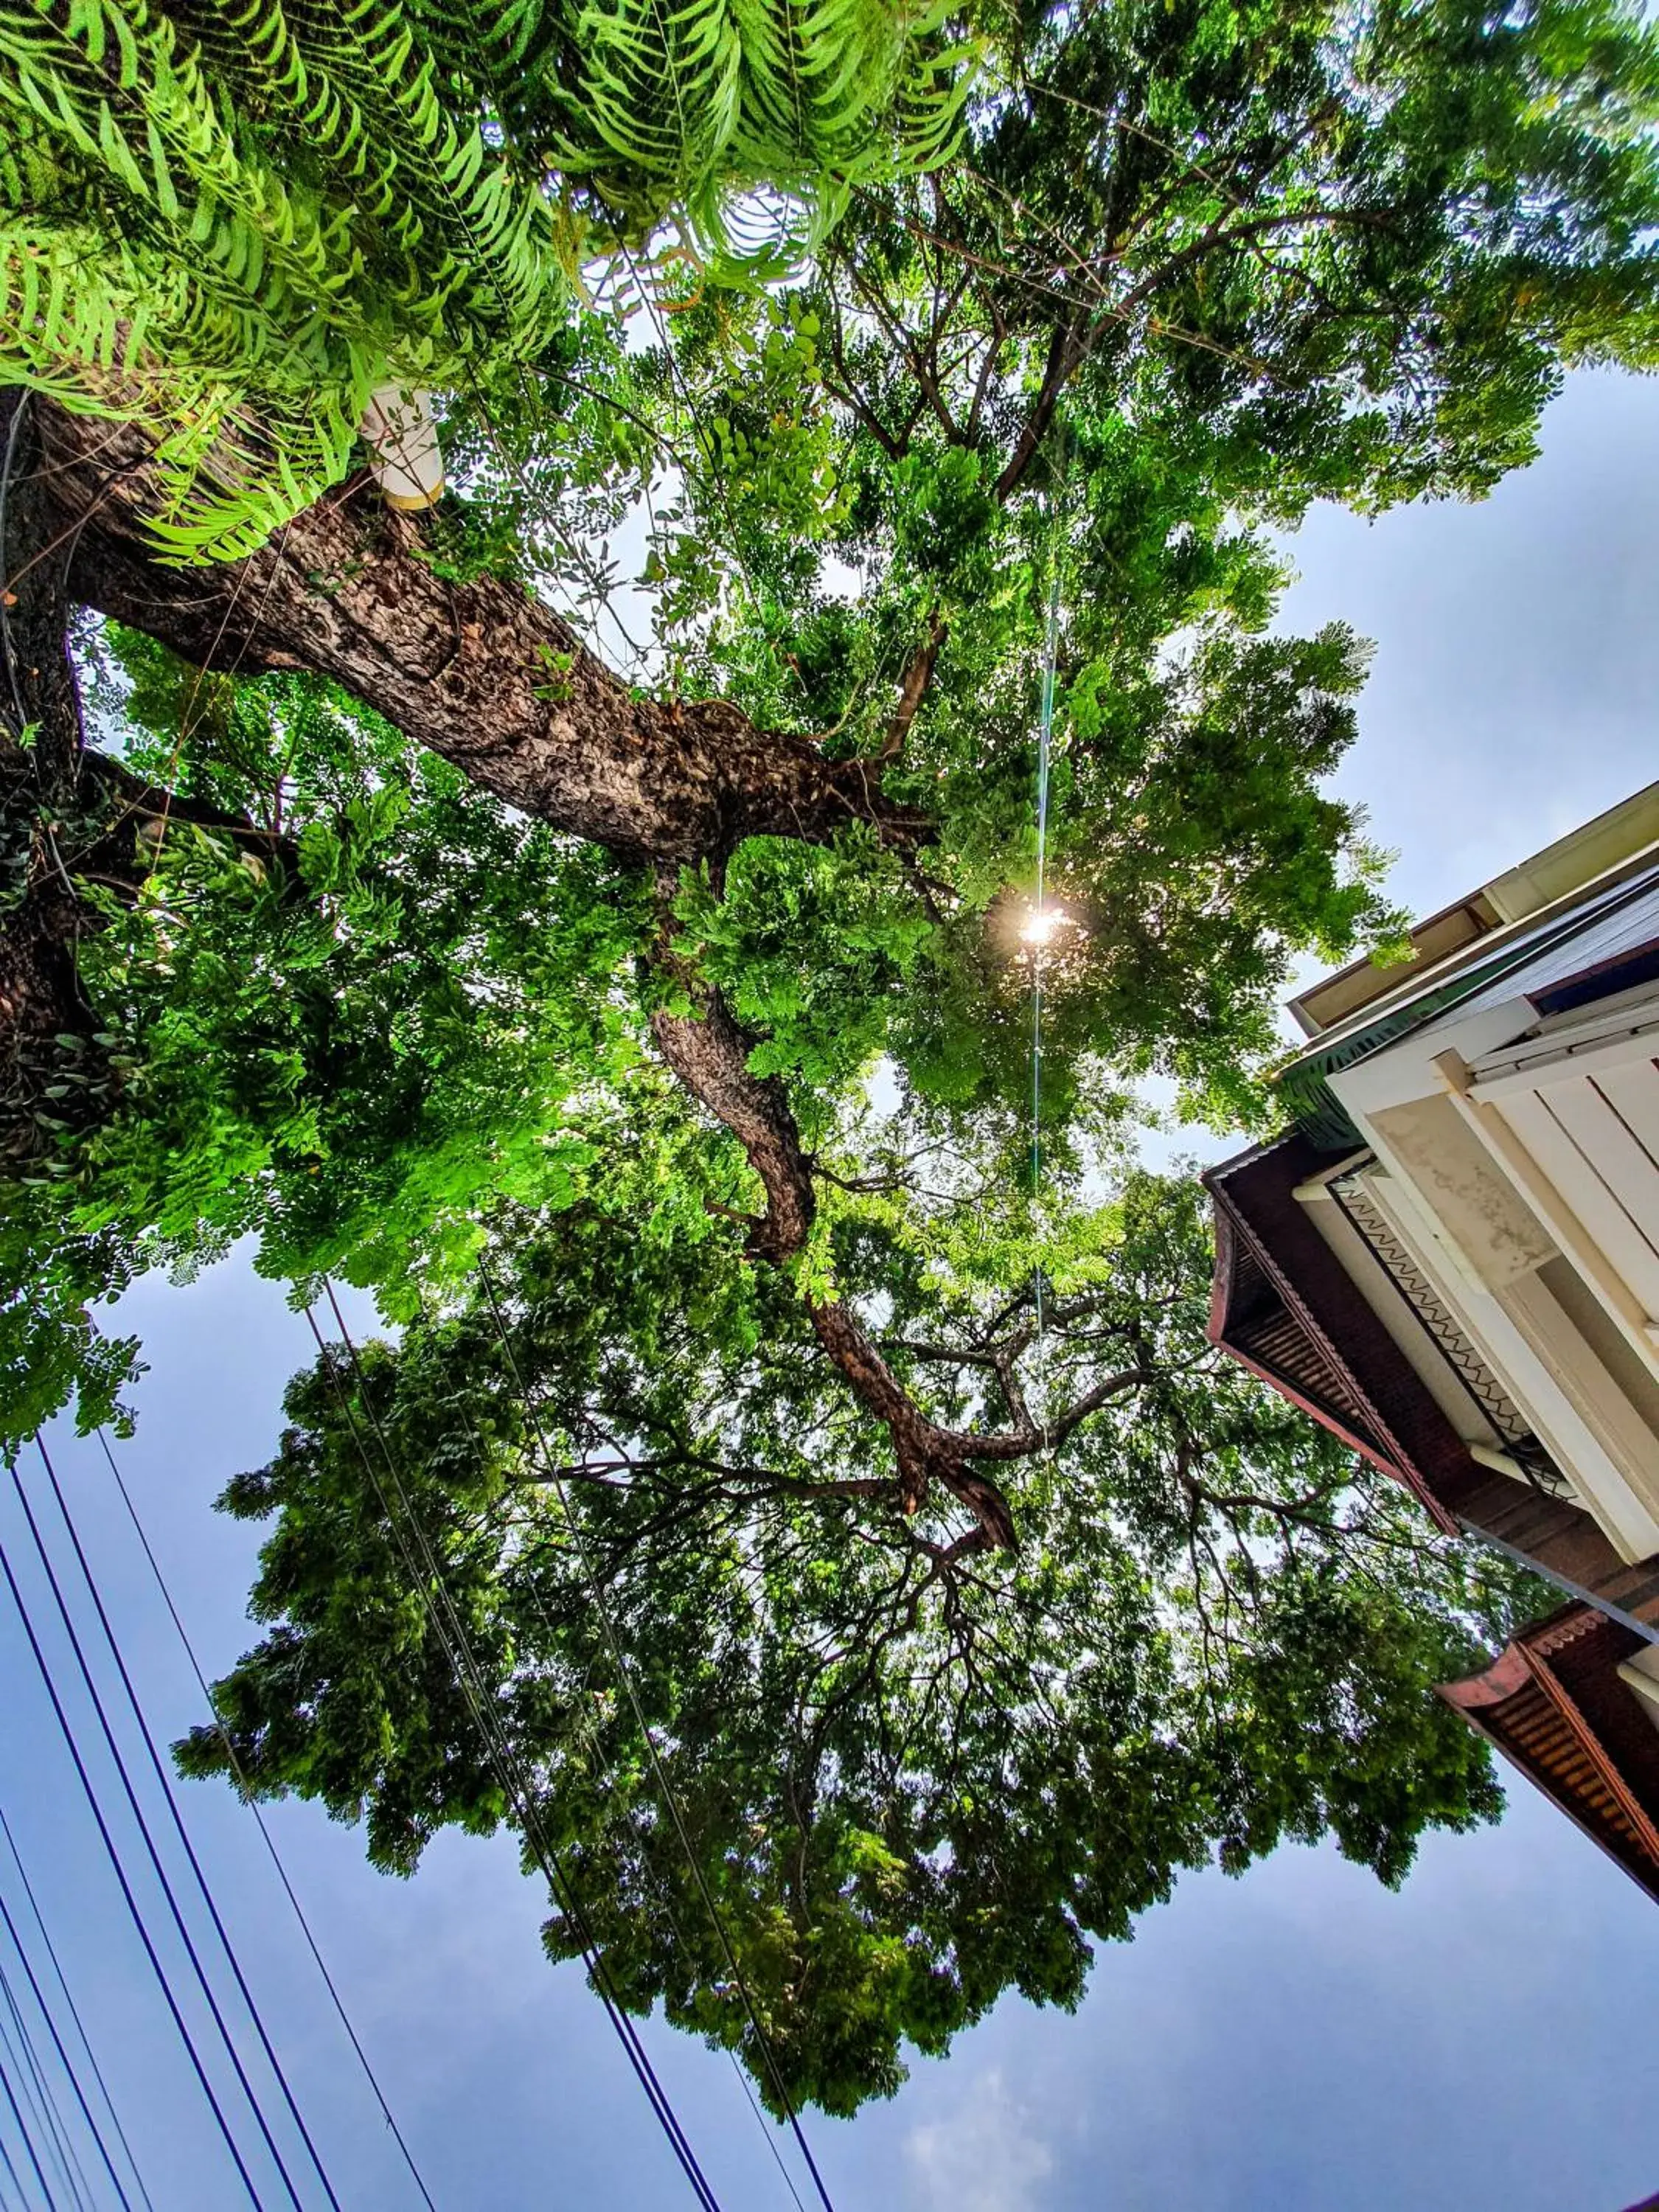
[
  {"x": 385, "y": 917},
  {"x": 909, "y": 1771},
  {"x": 1189, "y": 269}
]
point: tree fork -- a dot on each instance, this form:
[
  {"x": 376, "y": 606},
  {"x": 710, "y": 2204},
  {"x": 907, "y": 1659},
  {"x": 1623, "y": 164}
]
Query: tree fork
[
  {"x": 483, "y": 675},
  {"x": 709, "y": 1053}
]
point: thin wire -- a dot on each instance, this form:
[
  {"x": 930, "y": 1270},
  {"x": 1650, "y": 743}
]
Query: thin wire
[
  {"x": 768, "y": 2134},
  {"x": 115, "y": 1858},
  {"x": 28, "y": 2143},
  {"x": 43, "y": 2097},
  {"x": 21, "y": 2054},
  {"x": 245, "y": 1789},
  {"x": 74, "y": 2012},
  {"x": 164, "y": 1781},
  {"x": 121, "y": 1876},
  {"x": 625, "y": 1675},
  {"x": 1045, "y": 741},
  {"x": 508, "y": 1770},
  {"x": 508, "y": 1764},
  {"x": 64, "y": 2057},
  {"x": 63, "y": 2134},
  {"x": 5, "y": 2160},
  {"x": 19, "y": 2050}
]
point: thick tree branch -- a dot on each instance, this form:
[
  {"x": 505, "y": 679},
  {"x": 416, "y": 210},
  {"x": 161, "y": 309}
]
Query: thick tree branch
[
  {"x": 479, "y": 672},
  {"x": 709, "y": 1053},
  {"x": 1066, "y": 349},
  {"x": 913, "y": 688}
]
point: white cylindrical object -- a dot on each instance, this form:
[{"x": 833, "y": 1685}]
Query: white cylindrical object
[{"x": 404, "y": 455}]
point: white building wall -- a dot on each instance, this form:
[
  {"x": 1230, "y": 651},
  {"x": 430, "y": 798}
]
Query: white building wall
[{"x": 1512, "y": 1151}]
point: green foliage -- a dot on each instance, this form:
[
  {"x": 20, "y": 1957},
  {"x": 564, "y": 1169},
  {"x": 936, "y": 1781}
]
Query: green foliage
[
  {"x": 912, "y": 1782},
  {"x": 53, "y": 1353},
  {"x": 345, "y": 1032},
  {"x": 813, "y": 948},
  {"x": 233, "y": 223},
  {"x": 1193, "y": 267},
  {"x": 687, "y": 108}
]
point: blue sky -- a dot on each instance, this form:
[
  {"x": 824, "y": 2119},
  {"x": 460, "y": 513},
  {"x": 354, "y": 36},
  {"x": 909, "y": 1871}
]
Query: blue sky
[{"x": 1300, "y": 2039}]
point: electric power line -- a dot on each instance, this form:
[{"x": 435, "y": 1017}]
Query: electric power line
[
  {"x": 625, "y": 1674},
  {"x": 246, "y": 1790},
  {"x": 767, "y": 2135},
  {"x": 75, "y": 2017},
  {"x": 43, "y": 2099},
  {"x": 133, "y": 1908},
  {"x": 169, "y": 1794},
  {"x": 64, "y": 2060},
  {"x": 509, "y": 1769},
  {"x": 33, "y": 2156},
  {"x": 6, "y": 2164}
]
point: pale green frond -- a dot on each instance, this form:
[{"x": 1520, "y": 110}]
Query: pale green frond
[{"x": 220, "y": 214}]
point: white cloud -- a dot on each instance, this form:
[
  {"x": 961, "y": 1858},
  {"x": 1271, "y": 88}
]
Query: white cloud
[{"x": 983, "y": 2157}]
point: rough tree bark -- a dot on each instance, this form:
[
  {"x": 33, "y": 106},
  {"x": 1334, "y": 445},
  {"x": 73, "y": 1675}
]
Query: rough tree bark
[
  {"x": 40, "y": 999},
  {"x": 479, "y": 672},
  {"x": 486, "y": 677},
  {"x": 66, "y": 811},
  {"x": 709, "y": 1052}
]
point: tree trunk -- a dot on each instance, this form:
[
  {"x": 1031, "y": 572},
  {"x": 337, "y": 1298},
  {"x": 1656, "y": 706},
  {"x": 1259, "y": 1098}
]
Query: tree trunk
[
  {"x": 484, "y": 675},
  {"x": 42, "y": 1012}
]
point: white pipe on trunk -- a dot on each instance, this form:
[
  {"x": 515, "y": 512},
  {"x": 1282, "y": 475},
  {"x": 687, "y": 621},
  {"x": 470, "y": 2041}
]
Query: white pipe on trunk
[{"x": 404, "y": 457}]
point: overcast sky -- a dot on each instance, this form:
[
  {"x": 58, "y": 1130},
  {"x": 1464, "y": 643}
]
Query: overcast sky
[{"x": 1300, "y": 2038}]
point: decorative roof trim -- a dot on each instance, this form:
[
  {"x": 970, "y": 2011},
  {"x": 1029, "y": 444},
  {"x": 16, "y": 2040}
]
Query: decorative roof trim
[
  {"x": 1487, "y": 1701},
  {"x": 1304, "y": 1083},
  {"x": 1382, "y": 1448}
]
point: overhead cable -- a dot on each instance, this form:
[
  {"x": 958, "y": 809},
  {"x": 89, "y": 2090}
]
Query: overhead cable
[
  {"x": 625, "y": 1675},
  {"x": 118, "y": 1864},
  {"x": 428, "y": 1579},
  {"x": 12, "y": 2174},
  {"x": 165, "y": 1780},
  {"x": 64, "y": 2060},
  {"x": 32, "y": 2154},
  {"x": 768, "y": 2134},
  {"x": 75, "y": 2018},
  {"x": 42, "y": 2095},
  {"x": 152, "y": 1850},
  {"x": 36, "y": 2098},
  {"x": 245, "y": 1791}
]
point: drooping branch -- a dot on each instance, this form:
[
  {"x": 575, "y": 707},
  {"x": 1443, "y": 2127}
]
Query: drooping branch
[{"x": 708, "y": 1051}]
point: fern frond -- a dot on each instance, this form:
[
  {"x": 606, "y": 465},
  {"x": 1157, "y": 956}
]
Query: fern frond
[{"x": 231, "y": 219}]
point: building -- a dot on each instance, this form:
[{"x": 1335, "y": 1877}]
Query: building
[{"x": 1452, "y": 1261}]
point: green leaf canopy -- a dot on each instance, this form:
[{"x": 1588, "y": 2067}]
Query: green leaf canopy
[{"x": 697, "y": 995}]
